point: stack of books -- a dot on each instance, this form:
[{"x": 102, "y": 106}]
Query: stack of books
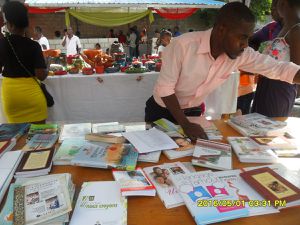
[
  {"x": 13, "y": 131},
  {"x": 75, "y": 131},
  {"x": 35, "y": 163},
  {"x": 42, "y": 129},
  {"x": 186, "y": 148},
  {"x": 40, "y": 142},
  {"x": 255, "y": 124},
  {"x": 6, "y": 146}
]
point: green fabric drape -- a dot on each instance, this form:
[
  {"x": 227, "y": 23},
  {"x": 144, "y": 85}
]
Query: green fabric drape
[{"x": 107, "y": 19}]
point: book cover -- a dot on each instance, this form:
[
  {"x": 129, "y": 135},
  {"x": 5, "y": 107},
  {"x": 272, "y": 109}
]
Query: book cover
[
  {"x": 100, "y": 203},
  {"x": 186, "y": 148},
  {"x": 208, "y": 198},
  {"x": 271, "y": 185},
  {"x": 160, "y": 177},
  {"x": 213, "y": 155},
  {"x": 40, "y": 142},
  {"x": 254, "y": 202},
  {"x": 134, "y": 182},
  {"x": 249, "y": 151},
  {"x": 275, "y": 142},
  {"x": 168, "y": 126},
  {"x": 104, "y": 138},
  {"x": 6, "y": 214},
  {"x": 35, "y": 161},
  {"x": 78, "y": 130},
  {"x": 149, "y": 157},
  {"x": 112, "y": 127},
  {"x": 10, "y": 131},
  {"x": 104, "y": 155},
  {"x": 67, "y": 151},
  {"x": 42, "y": 129}
]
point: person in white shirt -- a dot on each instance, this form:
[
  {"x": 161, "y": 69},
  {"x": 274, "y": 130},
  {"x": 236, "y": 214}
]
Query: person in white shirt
[
  {"x": 165, "y": 39},
  {"x": 41, "y": 39},
  {"x": 71, "y": 42}
]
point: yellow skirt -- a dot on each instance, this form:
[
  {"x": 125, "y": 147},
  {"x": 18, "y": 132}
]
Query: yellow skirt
[{"x": 23, "y": 100}]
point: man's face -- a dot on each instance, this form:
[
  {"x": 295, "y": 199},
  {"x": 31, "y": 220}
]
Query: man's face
[
  {"x": 165, "y": 40},
  {"x": 70, "y": 31},
  {"x": 236, "y": 37}
]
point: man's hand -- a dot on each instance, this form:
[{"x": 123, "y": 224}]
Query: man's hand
[{"x": 194, "y": 131}]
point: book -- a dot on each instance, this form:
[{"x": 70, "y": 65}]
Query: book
[
  {"x": 111, "y": 127},
  {"x": 6, "y": 146},
  {"x": 42, "y": 129},
  {"x": 40, "y": 142},
  {"x": 255, "y": 124},
  {"x": 160, "y": 177},
  {"x": 214, "y": 155},
  {"x": 35, "y": 163},
  {"x": 150, "y": 140},
  {"x": 104, "y": 138},
  {"x": 12, "y": 131},
  {"x": 275, "y": 142},
  {"x": 209, "y": 127},
  {"x": 8, "y": 165},
  {"x": 149, "y": 157},
  {"x": 100, "y": 203},
  {"x": 245, "y": 193},
  {"x": 64, "y": 218},
  {"x": 67, "y": 151},
  {"x": 7, "y": 212},
  {"x": 186, "y": 148},
  {"x": 104, "y": 155},
  {"x": 38, "y": 201},
  {"x": 249, "y": 151},
  {"x": 208, "y": 198},
  {"x": 134, "y": 183},
  {"x": 273, "y": 187},
  {"x": 168, "y": 126},
  {"x": 78, "y": 130}
]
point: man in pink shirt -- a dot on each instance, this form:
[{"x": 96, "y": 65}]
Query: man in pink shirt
[{"x": 194, "y": 64}]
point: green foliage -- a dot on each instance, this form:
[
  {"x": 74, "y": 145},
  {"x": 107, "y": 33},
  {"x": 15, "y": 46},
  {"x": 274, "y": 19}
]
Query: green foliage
[{"x": 260, "y": 8}]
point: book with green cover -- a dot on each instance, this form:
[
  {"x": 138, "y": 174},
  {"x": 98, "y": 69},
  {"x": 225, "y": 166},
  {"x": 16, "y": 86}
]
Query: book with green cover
[{"x": 42, "y": 129}]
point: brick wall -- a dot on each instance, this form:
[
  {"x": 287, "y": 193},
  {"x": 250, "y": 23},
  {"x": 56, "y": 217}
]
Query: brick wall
[{"x": 56, "y": 21}]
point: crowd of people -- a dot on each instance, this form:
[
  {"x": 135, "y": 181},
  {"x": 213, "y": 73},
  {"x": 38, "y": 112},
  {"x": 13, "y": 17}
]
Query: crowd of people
[{"x": 193, "y": 64}]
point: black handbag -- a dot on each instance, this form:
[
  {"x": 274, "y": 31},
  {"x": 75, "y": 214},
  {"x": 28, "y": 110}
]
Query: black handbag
[{"x": 48, "y": 96}]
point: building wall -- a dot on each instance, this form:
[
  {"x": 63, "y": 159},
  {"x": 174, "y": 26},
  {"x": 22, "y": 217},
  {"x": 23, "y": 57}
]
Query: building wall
[{"x": 56, "y": 21}]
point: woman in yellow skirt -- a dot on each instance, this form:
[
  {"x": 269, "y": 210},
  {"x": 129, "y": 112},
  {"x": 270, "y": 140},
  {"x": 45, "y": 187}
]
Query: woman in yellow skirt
[{"x": 22, "y": 65}]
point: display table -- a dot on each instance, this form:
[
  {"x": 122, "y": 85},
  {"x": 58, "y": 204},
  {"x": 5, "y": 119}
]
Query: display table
[
  {"x": 100, "y": 97},
  {"x": 151, "y": 211}
]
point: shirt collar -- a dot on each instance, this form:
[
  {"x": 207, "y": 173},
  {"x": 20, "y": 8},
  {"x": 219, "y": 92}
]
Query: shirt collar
[{"x": 204, "y": 46}]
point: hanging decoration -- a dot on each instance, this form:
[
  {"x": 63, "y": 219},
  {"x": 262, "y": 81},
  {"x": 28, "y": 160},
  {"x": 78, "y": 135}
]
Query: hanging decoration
[
  {"x": 175, "y": 13},
  {"x": 35, "y": 10}
]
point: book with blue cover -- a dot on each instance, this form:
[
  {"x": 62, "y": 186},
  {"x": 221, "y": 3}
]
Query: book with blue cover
[
  {"x": 105, "y": 155},
  {"x": 10, "y": 131},
  {"x": 208, "y": 198},
  {"x": 6, "y": 214},
  {"x": 40, "y": 142}
]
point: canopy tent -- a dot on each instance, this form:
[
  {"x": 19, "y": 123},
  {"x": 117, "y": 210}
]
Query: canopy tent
[
  {"x": 96, "y": 12},
  {"x": 127, "y": 3}
]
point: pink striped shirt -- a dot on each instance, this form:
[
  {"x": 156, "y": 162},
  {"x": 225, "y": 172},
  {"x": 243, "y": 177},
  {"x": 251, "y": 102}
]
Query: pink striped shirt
[{"x": 190, "y": 71}]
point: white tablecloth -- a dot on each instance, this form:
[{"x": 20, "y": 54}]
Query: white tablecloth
[{"x": 119, "y": 97}]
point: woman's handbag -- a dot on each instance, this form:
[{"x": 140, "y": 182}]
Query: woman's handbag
[{"x": 48, "y": 96}]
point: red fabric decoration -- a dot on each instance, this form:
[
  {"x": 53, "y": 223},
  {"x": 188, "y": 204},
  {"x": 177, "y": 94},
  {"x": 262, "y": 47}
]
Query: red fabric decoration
[
  {"x": 35, "y": 10},
  {"x": 175, "y": 13}
]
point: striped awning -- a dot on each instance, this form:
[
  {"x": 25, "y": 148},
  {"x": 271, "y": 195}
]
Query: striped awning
[{"x": 127, "y": 3}]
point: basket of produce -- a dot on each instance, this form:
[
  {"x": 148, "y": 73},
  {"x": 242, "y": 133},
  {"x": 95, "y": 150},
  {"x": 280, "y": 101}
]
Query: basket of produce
[
  {"x": 99, "y": 69},
  {"x": 112, "y": 69},
  {"x": 137, "y": 64},
  {"x": 87, "y": 71},
  {"x": 150, "y": 65},
  {"x": 73, "y": 70},
  {"x": 60, "y": 72},
  {"x": 136, "y": 70}
]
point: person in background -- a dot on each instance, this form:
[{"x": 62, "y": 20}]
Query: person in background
[
  {"x": 121, "y": 37},
  {"x": 71, "y": 42},
  {"x": 143, "y": 36},
  {"x": 137, "y": 41},
  {"x": 132, "y": 43},
  {"x": 22, "y": 65},
  {"x": 41, "y": 39},
  {"x": 111, "y": 34},
  {"x": 156, "y": 33},
  {"x": 98, "y": 46},
  {"x": 165, "y": 39},
  {"x": 248, "y": 81},
  {"x": 116, "y": 47},
  {"x": 275, "y": 98},
  {"x": 78, "y": 34},
  {"x": 196, "y": 63},
  {"x": 176, "y": 32},
  {"x": 57, "y": 34}
]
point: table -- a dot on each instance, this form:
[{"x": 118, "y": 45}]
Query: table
[
  {"x": 151, "y": 211},
  {"x": 100, "y": 97}
]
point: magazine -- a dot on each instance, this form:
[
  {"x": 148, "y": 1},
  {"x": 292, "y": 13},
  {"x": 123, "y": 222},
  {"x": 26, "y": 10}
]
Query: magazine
[
  {"x": 75, "y": 131},
  {"x": 186, "y": 148},
  {"x": 149, "y": 157},
  {"x": 40, "y": 142}
]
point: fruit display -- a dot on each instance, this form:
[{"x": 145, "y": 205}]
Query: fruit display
[
  {"x": 73, "y": 70},
  {"x": 87, "y": 71},
  {"x": 60, "y": 72}
]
